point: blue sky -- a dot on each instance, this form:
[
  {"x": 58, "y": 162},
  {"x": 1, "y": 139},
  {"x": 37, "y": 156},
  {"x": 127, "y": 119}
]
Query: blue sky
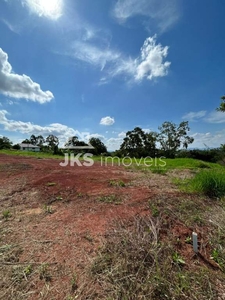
[{"x": 100, "y": 68}]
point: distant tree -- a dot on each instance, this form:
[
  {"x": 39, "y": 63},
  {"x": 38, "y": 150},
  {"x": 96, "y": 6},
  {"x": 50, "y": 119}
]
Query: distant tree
[
  {"x": 74, "y": 142},
  {"x": 98, "y": 145},
  {"x": 16, "y": 147},
  {"x": 52, "y": 142},
  {"x": 26, "y": 141},
  {"x": 137, "y": 143},
  {"x": 33, "y": 140},
  {"x": 222, "y": 104},
  {"x": 40, "y": 141},
  {"x": 5, "y": 143},
  {"x": 171, "y": 137},
  {"x": 37, "y": 140}
]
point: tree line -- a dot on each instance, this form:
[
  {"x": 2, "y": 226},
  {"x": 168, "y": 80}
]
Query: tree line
[{"x": 137, "y": 143}]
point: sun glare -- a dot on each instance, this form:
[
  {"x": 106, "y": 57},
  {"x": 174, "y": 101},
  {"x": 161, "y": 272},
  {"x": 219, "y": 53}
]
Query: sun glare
[{"x": 48, "y": 8}]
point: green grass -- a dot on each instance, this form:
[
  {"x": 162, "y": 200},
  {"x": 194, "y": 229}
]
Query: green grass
[
  {"x": 37, "y": 155},
  {"x": 208, "y": 182}
]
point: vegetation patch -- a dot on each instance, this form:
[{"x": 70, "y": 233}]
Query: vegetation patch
[
  {"x": 112, "y": 198},
  {"x": 134, "y": 261},
  {"x": 210, "y": 183}
]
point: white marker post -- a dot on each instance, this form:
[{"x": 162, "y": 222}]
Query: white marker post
[{"x": 195, "y": 241}]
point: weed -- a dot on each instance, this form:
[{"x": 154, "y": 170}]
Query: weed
[
  {"x": 154, "y": 209},
  {"x": 177, "y": 259},
  {"x": 110, "y": 199},
  {"x": 188, "y": 240},
  {"x": 6, "y": 214},
  {"x": 44, "y": 273},
  {"x": 134, "y": 261},
  {"x": 74, "y": 285},
  {"x": 48, "y": 209},
  {"x": 119, "y": 183},
  {"x": 51, "y": 184}
]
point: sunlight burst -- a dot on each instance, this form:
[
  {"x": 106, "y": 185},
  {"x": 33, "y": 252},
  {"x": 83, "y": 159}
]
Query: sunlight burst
[{"x": 48, "y": 8}]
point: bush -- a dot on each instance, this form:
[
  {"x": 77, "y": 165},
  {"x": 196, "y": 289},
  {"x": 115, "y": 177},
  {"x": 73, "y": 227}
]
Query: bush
[
  {"x": 210, "y": 183},
  {"x": 209, "y": 155}
]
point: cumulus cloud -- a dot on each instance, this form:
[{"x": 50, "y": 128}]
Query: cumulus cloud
[
  {"x": 161, "y": 14},
  {"x": 107, "y": 121},
  {"x": 20, "y": 86},
  {"x": 151, "y": 64},
  {"x": 63, "y": 132},
  {"x": 51, "y": 9},
  {"x": 194, "y": 116}
]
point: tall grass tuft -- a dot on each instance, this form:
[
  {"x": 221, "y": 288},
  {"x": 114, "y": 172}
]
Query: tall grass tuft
[{"x": 209, "y": 182}]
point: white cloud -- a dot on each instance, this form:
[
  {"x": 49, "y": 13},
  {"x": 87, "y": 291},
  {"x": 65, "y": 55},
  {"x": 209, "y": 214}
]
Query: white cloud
[
  {"x": 51, "y": 9},
  {"x": 149, "y": 64},
  {"x": 63, "y": 132},
  {"x": 20, "y": 86},
  {"x": 208, "y": 139},
  {"x": 160, "y": 13},
  {"x": 122, "y": 134},
  {"x": 194, "y": 116},
  {"x": 215, "y": 117},
  {"x": 113, "y": 144},
  {"x": 10, "y": 26},
  {"x": 107, "y": 121},
  {"x": 94, "y": 55}
]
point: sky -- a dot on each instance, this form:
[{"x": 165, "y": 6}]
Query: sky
[{"x": 100, "y": 68}]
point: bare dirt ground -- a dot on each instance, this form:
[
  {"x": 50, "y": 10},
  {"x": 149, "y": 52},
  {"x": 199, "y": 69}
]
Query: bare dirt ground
[{"x": 54, "y": 219}]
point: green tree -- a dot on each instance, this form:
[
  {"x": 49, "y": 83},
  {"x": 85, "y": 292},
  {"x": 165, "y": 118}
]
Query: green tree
[
  {"x": 5, "y": 143},
  {"x": 98, "y": 145},
  {"x": 26, "y": 141},
  {"x": 74, "y": 142},
  {"x": 52, "y": 142},
  {"x": 37, "y": 140},
  {"x": 222, "y": 104},
  {"x": 171, "y": 137},
  {"x": 137, "y": 143}
]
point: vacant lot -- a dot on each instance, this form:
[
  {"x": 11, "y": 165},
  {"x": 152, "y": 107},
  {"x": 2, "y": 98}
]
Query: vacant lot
[{"x": 65, "y": 232}]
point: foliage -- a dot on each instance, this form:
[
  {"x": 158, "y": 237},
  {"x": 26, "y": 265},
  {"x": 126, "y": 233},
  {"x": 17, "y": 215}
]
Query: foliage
[
  {"x": 222, "y": 104},
  {"x": 137, "y": 143},
  {"x": 98, "y": 145},
  {"x": 5, "y": 143},
  {"x": 172, "y": 137},
  {"x": 52, "y": 141},
  {"x": 74, "y": 142},
  {"x": 209, "y": 155},
  {"x": 37, "y": 140}
]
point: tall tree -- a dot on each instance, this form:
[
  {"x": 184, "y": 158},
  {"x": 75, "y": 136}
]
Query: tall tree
[
  {"x": 52, "y": 141},
  {"x": 222, "y": 104},
  {"x": 37, "y": 140},
  {"x": 33, "y": 139},
  {"x": 137, "y": 143},
  {"x": 74, "y": 142},
  {"x": 98, "y": 145},
  {"x": 171, "y": 137}
]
